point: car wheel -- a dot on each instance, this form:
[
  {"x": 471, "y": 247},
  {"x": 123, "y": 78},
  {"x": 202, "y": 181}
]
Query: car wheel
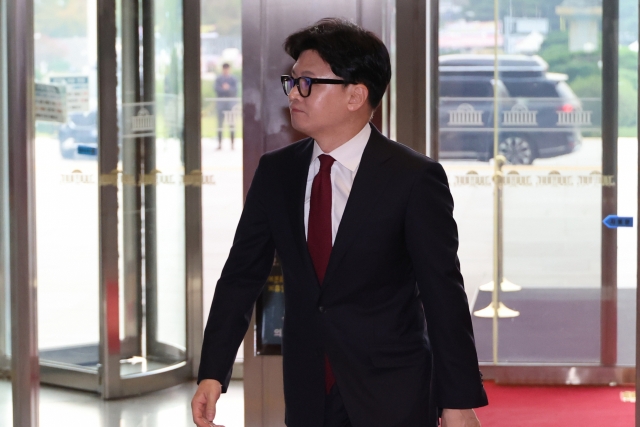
[{"x": 518, "y": 150}]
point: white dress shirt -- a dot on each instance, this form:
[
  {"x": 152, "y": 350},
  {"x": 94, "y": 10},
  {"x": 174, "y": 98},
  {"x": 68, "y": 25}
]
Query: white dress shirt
[{"x": 343, "y": 172}]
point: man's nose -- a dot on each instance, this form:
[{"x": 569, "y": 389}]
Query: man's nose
[{"x": 294, "y": 94}]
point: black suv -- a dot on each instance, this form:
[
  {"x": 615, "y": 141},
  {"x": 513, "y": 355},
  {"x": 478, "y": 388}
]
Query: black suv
[{"x": 531, "y": 102}]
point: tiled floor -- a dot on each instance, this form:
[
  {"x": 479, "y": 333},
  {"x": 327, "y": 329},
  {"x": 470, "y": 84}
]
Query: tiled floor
[{"x": 166, "y": 408}]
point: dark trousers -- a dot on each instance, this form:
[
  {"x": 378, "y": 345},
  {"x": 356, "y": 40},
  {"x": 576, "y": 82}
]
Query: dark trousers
[
  {"x": 335, "y": 414},
  {"x": 221, "y": 108}
]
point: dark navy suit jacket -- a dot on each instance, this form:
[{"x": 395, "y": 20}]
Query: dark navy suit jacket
[{"x": 391, "y": 315}]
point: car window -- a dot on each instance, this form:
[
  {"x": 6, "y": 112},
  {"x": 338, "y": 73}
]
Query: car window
[
  {"x": 465, "y": 89},
  {"x": 502, "y": 90},
  {"x": 532, "y": 89},
  {"x": 565, "y": 91}
]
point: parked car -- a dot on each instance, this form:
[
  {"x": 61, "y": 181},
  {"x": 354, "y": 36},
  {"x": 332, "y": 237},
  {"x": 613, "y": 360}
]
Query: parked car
[
  {"x": 79, "y": 135},
  {"x": 529, "y": 102}
]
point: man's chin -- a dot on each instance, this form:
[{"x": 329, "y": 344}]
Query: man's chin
[{"x": 296, "y": 125}]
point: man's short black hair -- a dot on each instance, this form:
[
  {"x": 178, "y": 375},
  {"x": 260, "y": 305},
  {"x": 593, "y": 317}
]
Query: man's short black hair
[
  {"x": 355, "y": 54},
  {"x": 226, "y": 65}
]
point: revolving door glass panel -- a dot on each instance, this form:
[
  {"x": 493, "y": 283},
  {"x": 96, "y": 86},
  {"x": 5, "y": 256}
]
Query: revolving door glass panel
[
  {"x": 151, "y": 186},
  {"x": 66, "y": 179}
]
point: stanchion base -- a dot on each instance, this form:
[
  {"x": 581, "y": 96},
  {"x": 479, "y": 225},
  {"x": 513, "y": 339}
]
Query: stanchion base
[
  {"x": 503, "y": 312},
  {"x": 506, "y": 286},
  {"x": 628, "y": 396}
]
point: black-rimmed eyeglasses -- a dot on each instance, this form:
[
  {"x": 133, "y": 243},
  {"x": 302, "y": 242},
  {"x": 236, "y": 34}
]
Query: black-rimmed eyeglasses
[{"x": 304, "y": 84}]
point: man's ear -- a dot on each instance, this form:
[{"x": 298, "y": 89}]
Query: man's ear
[{"x": 358, "y": 98}]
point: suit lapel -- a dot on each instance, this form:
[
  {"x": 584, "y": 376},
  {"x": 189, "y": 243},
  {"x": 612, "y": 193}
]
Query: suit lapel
[
  {"x": 301, "y": 171},
  {"x": 365, "y": 191}
]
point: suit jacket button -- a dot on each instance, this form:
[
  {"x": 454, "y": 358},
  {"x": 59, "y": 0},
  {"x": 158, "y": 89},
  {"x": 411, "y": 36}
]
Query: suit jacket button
[{"x": 321, "y": 309}]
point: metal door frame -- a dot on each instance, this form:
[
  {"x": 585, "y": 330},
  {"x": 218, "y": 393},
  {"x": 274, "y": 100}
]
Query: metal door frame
[
  {"x": 20, "y": 162},
  {"x": 411, "y": 72},
  {"x": 5, "y": 323},
  {"x": 637, "y": 376}
]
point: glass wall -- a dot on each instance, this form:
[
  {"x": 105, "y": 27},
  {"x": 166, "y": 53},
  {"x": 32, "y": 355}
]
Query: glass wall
[
  {"x": 222, "y": 139},
  {"x": 169, "y": 160},
  {"x": 521, "y": 138}
]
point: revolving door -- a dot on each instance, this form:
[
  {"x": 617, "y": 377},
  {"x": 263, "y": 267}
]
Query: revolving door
[{"x": 118, "y": 201}]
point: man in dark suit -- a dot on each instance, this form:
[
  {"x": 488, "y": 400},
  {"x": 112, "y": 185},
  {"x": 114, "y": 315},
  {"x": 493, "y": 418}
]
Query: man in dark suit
[{"x": 377, "y": 330}]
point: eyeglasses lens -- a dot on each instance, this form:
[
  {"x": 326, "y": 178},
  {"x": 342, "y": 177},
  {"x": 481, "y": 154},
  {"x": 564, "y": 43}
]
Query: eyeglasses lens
[
  {"x": 305, "y": 86},
  {"x": 287, "y": 85},
  {"x": 303, "y": 83}
]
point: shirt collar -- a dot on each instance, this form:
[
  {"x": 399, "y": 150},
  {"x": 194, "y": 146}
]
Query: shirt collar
[{"x": 349, "y": 153}]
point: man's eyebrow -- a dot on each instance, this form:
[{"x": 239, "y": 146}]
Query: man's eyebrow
[{"x": 303, "y": 73}]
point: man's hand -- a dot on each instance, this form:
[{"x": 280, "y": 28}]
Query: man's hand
[
  {"x": 203, "y": 404},
  {"x": 459, "y": 418}
]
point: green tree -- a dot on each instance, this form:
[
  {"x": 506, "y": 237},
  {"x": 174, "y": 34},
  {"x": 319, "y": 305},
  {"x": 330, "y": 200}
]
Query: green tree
[
  {"x": 482, "y": 10},
  {"x": 224, "y": 15},
  {"x": 628, "y": 64},
  {"x": 555, "y": 50},
  {"x": 61, "y": 18},
  {"x": 627, "y": 103}
]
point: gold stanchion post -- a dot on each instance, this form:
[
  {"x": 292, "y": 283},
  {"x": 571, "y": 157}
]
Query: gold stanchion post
[{"x": 497, "y": 309}]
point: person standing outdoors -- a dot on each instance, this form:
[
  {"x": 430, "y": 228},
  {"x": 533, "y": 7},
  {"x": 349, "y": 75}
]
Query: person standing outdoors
[
  {"x": 377, "y": 330},
  {"x": 226, "y": 87}
]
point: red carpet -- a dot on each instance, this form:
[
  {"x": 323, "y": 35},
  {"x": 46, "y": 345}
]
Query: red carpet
[{"x": 569, "y": 406}]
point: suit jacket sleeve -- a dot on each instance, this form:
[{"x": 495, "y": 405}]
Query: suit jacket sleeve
[
  {"x": 243, "y": 277},
  {"x": 432, "y": 241}
]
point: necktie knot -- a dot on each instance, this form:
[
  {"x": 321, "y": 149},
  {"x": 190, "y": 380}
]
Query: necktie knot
[{"x": 326, "y": 162}]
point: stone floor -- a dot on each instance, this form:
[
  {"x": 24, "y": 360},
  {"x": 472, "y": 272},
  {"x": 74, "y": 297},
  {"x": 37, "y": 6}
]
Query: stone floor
[{"x": 166, "y": 408}]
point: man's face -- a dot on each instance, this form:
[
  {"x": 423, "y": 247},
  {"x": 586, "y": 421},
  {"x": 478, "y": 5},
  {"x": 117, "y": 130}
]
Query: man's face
[{"x": 326, "y": 107}]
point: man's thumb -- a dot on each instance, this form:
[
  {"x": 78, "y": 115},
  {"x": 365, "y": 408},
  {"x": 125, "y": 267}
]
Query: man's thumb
[{"x": 210, "y": 410}]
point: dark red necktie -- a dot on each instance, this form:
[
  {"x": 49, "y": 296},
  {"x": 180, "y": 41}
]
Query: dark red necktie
[{"x": 319, "y": 235}]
